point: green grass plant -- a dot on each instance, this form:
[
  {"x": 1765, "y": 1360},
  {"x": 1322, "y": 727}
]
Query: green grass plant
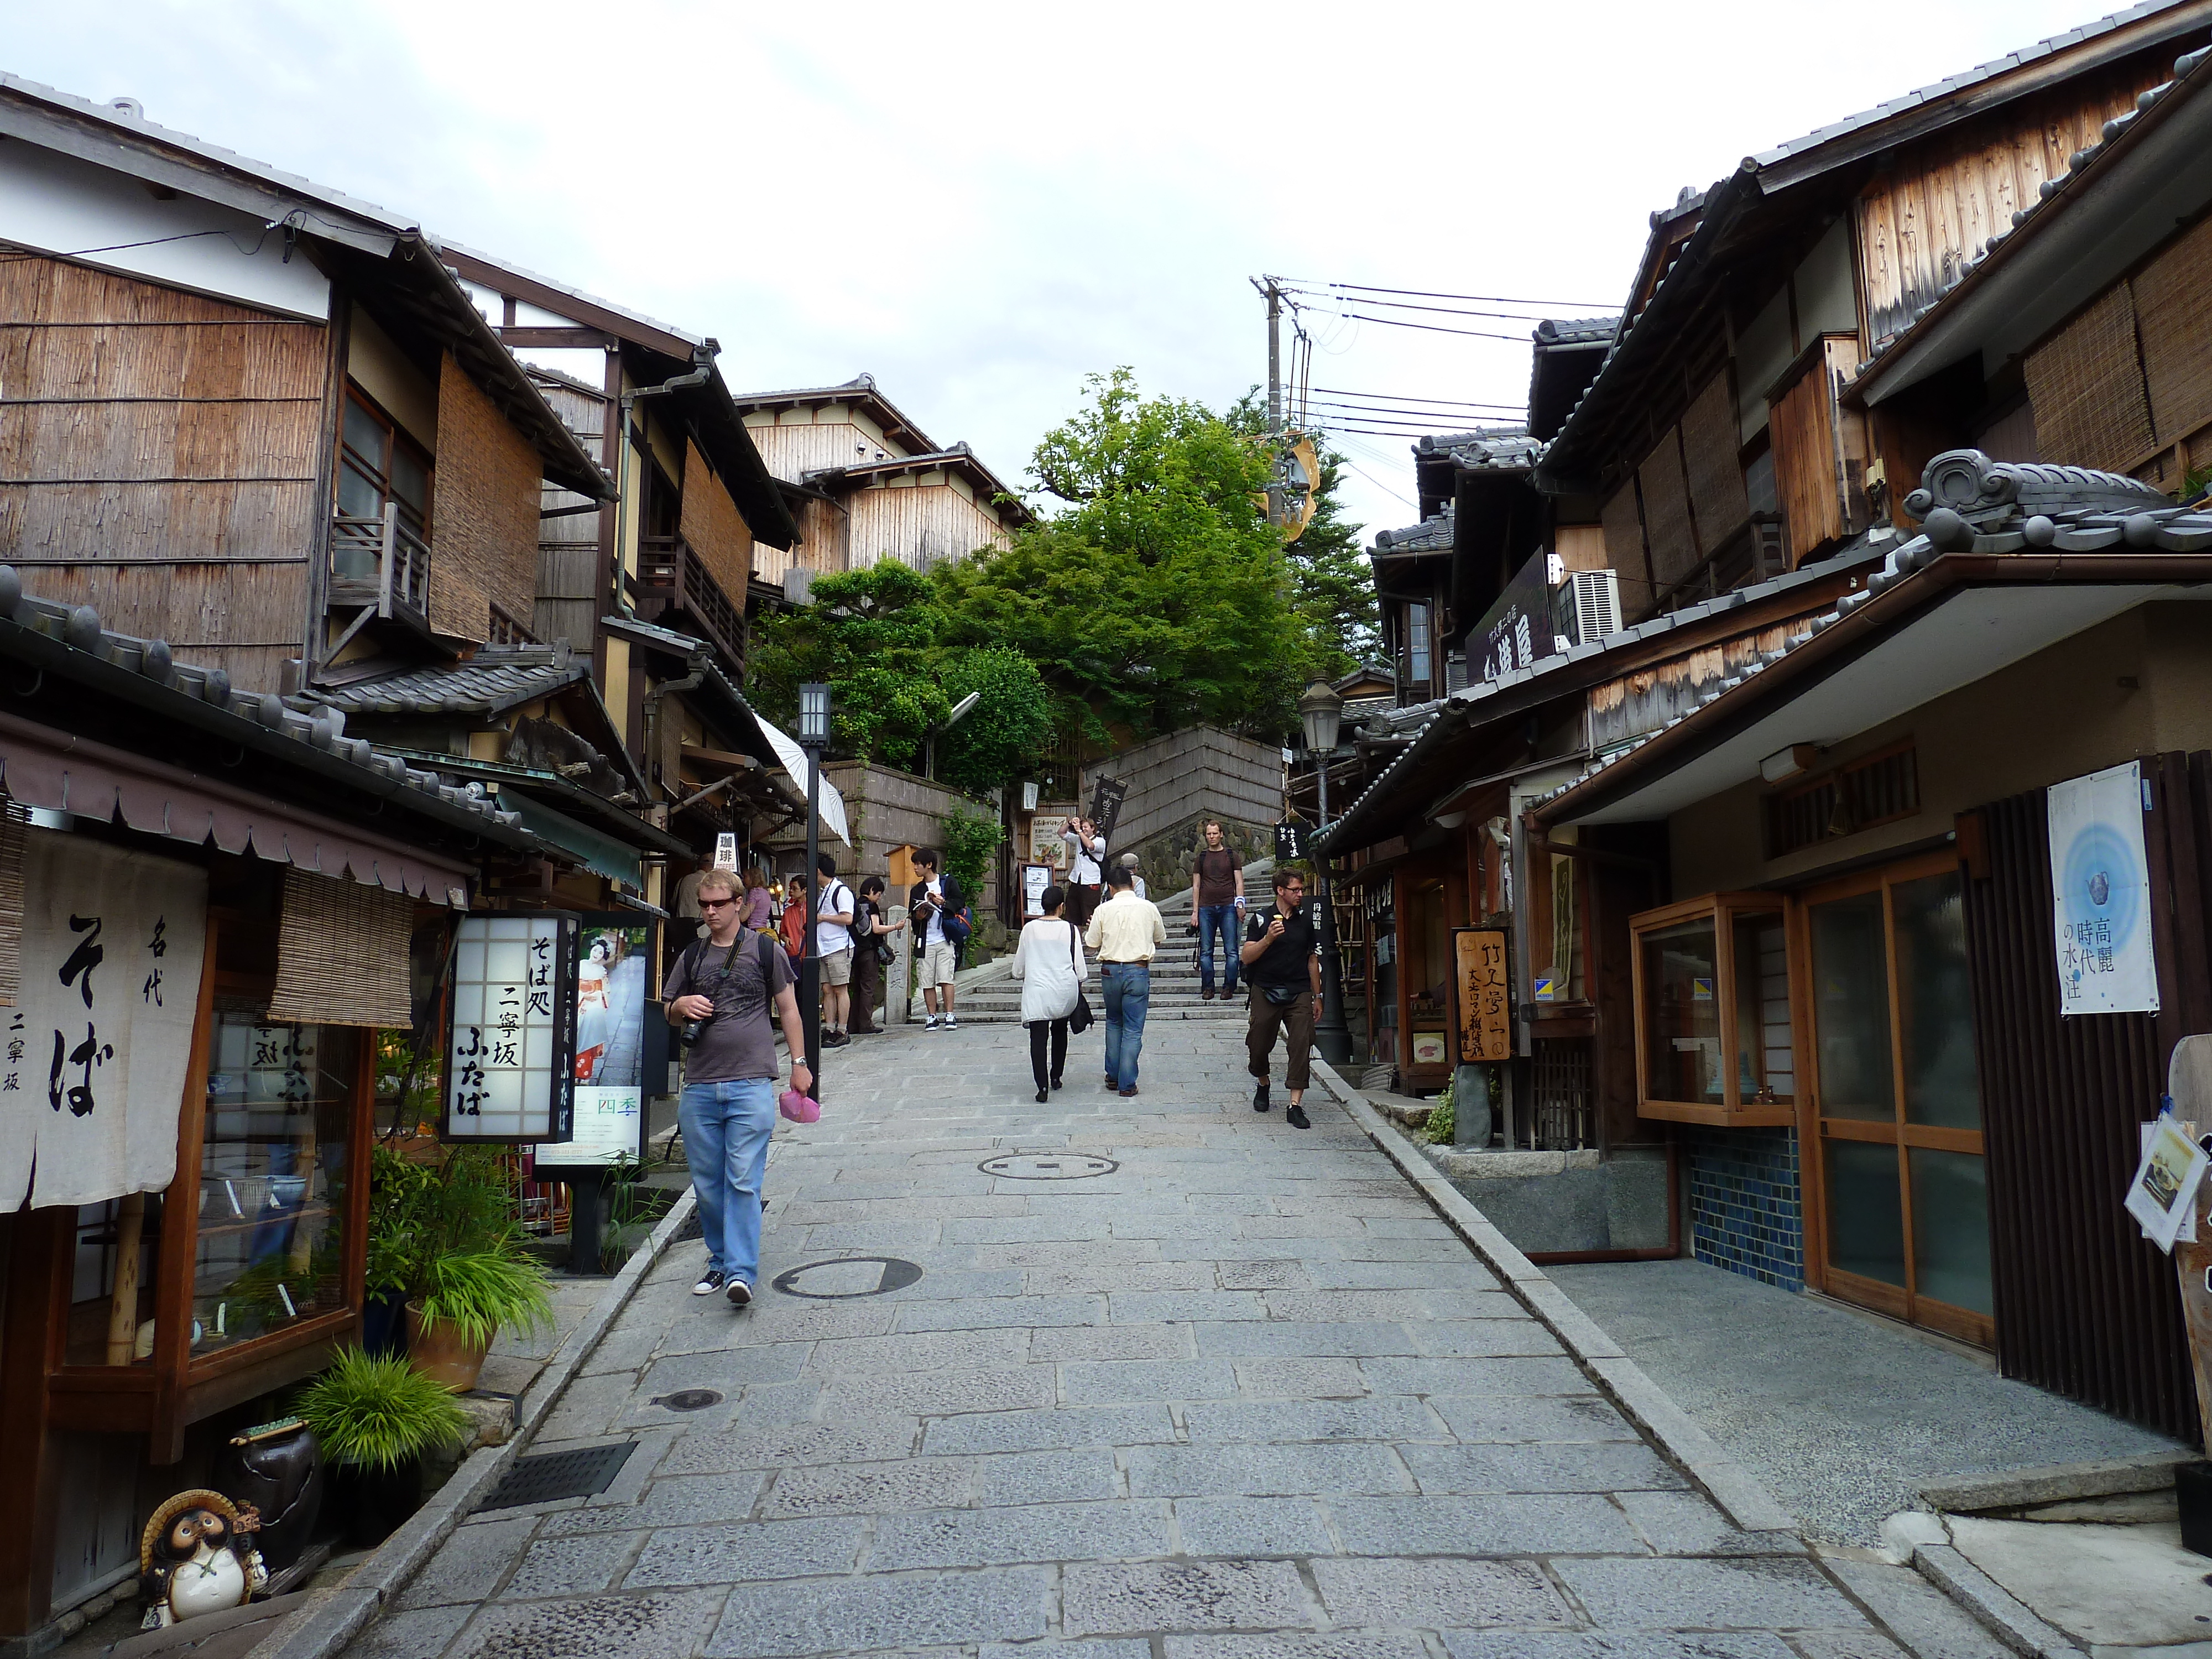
[
  {"x": 475, "y": 1292},
  {"x": 379, "y": 1414}
]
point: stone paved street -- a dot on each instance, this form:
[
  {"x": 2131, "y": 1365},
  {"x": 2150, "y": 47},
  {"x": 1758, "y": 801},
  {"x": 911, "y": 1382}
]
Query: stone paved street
[{"x": 1241, "y": 1397}]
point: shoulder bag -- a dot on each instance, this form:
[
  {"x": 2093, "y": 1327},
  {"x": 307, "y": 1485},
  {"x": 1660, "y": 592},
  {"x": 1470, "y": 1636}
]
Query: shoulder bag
[{"x": 1079, "y": 1018}]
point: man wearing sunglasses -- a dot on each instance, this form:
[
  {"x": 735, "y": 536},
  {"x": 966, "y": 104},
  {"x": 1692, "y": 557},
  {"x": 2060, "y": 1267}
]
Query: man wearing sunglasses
[
  {"x": 725, "y": 992},
  {"x": 1281, "y": 955}
]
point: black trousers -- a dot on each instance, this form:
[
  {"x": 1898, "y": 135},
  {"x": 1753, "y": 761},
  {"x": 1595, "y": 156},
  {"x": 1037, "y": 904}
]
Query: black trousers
[
  {"x": 1038, "y": 1030},
  {"x": 1082, "y": 902}
]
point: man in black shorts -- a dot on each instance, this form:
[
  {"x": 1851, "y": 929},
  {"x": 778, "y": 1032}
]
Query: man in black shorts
[{"x": 1281, "y": 955}]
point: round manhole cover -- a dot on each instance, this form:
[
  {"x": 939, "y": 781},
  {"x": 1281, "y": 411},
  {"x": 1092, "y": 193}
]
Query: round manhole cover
[
  {"x": 849, "y": 1275},
  {"x": 690, "y": 1399},
  {"x": 1047, "y": 1166}
]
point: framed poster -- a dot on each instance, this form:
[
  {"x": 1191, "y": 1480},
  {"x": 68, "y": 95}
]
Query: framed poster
[
  {"x": 1035, "y": 877},
  {"x": 614, "y": 982},
  {"x": 511, "y": 1054},
  {"x": 1481, "y": 987}
]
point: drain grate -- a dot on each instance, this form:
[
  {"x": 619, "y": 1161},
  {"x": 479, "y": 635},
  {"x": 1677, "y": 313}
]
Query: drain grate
[
  {"x": 584, "y": 1473},
  {"x": 1047, "y": 1166},
  {"x": 691, "y": 1230}
]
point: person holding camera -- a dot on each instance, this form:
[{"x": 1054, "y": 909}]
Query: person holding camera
[
  {"x": 725, "y": 991},
  {"x": 1281, "y": 956},
  {"x": 1086, "y": 864}
]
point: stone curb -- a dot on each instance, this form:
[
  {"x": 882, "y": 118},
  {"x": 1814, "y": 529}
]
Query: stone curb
[
  {"x": 1727, "y": 1483},
  {"x": 2006, "y": 1619},
  {"x": 323, "y": 1630}
]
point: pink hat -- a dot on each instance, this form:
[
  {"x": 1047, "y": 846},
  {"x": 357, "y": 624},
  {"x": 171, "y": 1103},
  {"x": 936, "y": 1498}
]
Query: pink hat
[{"x": 799, "y": 1109}]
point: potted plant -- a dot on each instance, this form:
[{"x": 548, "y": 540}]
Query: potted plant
[
  {"x": 377, "y": 1420},
  {"x": 462, "y": 1299}
]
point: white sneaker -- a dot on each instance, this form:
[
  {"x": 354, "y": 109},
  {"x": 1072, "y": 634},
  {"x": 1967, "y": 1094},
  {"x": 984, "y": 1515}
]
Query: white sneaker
[
  {"x": 710, "y": 1282},
  {"x": 950, "y": 1024},
  {"x": 930, "y": 1024},
  {"x": 739, "y": 1292}
]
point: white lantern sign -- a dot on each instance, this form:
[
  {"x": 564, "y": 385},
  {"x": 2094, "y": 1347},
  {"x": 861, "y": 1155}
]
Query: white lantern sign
[{"x": 511, "y": 1059}]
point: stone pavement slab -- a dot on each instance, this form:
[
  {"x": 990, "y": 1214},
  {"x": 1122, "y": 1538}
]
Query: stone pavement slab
[{"x": 1242, "y": 1395}]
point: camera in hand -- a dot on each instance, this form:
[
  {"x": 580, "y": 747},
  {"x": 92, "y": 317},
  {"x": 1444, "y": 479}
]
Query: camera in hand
[{"x": 692, "y": 1030}]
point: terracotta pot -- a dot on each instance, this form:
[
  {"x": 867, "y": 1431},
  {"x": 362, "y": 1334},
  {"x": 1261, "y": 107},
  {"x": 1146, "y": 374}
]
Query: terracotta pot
[{"x": 438, "y": 1352}]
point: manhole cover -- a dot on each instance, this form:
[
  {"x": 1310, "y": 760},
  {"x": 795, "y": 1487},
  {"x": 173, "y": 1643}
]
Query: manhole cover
[
  {"x": 849, "y": 1275},
  {"x": 688, "y": 1399},
  {"x": 1047, "y": 1166},
  {"x": 584, "y": 1473}
]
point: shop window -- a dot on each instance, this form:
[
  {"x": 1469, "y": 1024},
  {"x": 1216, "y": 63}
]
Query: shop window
[{"x": 1712, "y": 1012}]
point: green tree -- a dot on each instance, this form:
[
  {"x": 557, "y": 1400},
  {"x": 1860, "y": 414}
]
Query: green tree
[
  {"x": 1000, "y": 738},
  {"x": 1159, "y": 597}
]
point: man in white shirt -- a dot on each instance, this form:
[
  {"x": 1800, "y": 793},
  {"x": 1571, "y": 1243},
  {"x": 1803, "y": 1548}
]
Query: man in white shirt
[
  {"x": 832, "y": 943},
  {"x": 1086, "y": 859},
  {"x": 934, "y": 898},
  {"x": 1126, "y": 931}
]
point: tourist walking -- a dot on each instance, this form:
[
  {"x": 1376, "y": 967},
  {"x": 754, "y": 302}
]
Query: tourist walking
[
  {"x": 1049, "y": 962},
  {"x": 834, "y": 909},
  {"x": 1125, "y": 931},
  {"x": 1086, "y": 864},
  {"x": 1281, "y": 955},
  {"x": 935, "y": 901},
  {"x": 871, "y": 928},
  {"x": 1217, "y": 903},
  {"x": 724, "y": 991}
]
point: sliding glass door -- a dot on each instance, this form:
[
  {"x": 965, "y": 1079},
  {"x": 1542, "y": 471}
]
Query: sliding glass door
[{"x": 1897, "y": 1170}]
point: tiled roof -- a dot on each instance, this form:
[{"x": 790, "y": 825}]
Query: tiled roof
[
  {"x": 1582, "y": 331},
  {"x": 1974, "y": 505},
  {"x": 1430, "y": 536},
  {"x": 1500, "y": 447},
  {"x": 322, "y": 731},
  {"x": 497, "y": 679}
]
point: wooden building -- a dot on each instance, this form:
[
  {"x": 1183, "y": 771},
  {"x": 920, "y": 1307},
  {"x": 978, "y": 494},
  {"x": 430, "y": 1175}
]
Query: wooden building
[
  {"x": 1781, "y": 854},
  {"x": 872, "y": 484}
]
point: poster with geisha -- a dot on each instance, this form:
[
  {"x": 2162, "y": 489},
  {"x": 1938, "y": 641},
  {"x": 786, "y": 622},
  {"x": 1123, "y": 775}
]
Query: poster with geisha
[{"x": 612, "y": 976}]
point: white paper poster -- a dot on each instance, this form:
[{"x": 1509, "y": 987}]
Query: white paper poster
[
  {"x": 97, "y": 1047},
  {"x": 2100, "y": 895},
  {"x": 2163, "y": 1194}
]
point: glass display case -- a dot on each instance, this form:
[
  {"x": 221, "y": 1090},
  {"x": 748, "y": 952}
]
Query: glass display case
[{"x": 1713, "y": 1033}]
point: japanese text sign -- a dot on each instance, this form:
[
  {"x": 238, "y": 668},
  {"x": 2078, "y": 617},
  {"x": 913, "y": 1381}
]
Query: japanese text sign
[
  {"x": 1485, "y": 1003},
  {"x": 97, "y": 1048},
  {"x": 2100, "y": 895},
  {"x": 510, "y": 1063}
]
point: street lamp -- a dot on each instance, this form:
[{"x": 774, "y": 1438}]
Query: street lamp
[
  {"x": 814, "y": 738},
  {"x": 1322, "y": 712}
]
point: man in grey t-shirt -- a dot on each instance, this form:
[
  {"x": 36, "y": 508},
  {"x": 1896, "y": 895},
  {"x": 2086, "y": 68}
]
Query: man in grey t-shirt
[{"x": 729, "y": 982}]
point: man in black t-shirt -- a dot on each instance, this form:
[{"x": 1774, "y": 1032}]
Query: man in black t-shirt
[{"x": 1281, "y": 955}]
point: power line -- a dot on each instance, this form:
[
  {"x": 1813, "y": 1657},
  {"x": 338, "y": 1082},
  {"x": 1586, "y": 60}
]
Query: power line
[
  {"x": 1408, "y": 305},
  {"x": 1432, "y": 328},
  {"x": 1446, "y": 417},
  {"x": 1341, "y": 392},
  {"x": 1593, "y": 307}
]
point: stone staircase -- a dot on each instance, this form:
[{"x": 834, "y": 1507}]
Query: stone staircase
[{"x": 998, "y": 1000}]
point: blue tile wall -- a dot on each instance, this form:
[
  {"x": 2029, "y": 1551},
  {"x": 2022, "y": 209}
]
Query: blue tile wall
[{"x": 1746, "y": 1212}]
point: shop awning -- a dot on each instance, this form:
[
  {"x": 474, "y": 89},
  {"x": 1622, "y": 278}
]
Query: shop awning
[
  {"x": 64, "y": 773},
  {"x": 601, "y": 853}
]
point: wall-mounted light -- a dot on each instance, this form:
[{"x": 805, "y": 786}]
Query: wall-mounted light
[{"x": 1783, "y": 764}]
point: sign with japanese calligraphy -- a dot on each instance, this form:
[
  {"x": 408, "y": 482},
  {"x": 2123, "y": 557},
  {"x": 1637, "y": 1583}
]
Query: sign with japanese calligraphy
[
  {"x": 2100, "y": 894},
  {"x": 1107, "y": 795},
  {"x": 1289, "y": 842},
  {"x": 1481, "y": 978},
  {"x": 610, "y": 1026},
  {"x": 97, "y": 1048},
  {"x": 511, "y": 1060}
]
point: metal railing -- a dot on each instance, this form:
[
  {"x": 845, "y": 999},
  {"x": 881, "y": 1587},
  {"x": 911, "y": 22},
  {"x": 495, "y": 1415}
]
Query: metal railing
[{"x": 382, "y": 562}]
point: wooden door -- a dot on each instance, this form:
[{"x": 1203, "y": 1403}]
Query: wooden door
[{"x": 1894, "y": 1178}]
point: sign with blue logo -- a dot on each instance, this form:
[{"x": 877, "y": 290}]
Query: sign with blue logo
[{"x": 2100, "y": 894}]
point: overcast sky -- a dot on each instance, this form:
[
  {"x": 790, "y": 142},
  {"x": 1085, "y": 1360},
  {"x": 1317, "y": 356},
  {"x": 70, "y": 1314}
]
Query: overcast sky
[{"x": 980, "y": 204}]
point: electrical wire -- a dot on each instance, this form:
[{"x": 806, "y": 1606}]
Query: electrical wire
[
  {"x": 1406, "y": 305},
  {"x": 1434, "y": 328},
  {"x": 1450, "y": 403},
  {"x": 1592, "y": 307}
]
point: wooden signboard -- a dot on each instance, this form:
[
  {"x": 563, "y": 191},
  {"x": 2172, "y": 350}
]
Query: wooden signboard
[{"x": 1485, "y": 1001}]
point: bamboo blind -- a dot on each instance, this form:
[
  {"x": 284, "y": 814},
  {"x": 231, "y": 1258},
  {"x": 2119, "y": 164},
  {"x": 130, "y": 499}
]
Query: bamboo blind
[
  {"x": 1709, "y": 450},
  {"x": 713, "y": 527},
  {"x": 1667, "y": 512},
  {"x": 2086, "y": 384},
  {"x": 484, "y": 492},
  {"x": 1805, "y": 461},
  {"x": 342, "y": 954},
  {"x": 1623, "y": 550},
  {"x": 2172, "y": 297},
  {"x": 12, "y": 820}
]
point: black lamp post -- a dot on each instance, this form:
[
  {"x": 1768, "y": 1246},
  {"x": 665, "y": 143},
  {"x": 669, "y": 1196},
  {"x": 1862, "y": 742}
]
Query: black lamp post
[
  {"x": 814, "y": 738},
  {"x": 1322, "y": 712}
]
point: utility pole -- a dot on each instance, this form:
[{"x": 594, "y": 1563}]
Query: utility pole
[{"x": 1273, "y": 295}]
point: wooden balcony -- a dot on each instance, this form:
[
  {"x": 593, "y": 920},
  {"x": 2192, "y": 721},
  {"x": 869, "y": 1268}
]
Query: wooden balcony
[
  {"x": 672, "y": 583},
  {"x": 382, "y": 566}
]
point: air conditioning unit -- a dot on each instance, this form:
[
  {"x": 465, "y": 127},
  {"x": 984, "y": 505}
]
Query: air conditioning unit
[
  {"x": 1455, "y": 672},
  {"x": 1595, "y": 598}
]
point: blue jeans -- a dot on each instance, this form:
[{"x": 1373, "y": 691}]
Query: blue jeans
[
  {"x": 1210, "y": 918},
  {"x": 726, "y": 1129},
  {"x": 1128, "y": 988}
]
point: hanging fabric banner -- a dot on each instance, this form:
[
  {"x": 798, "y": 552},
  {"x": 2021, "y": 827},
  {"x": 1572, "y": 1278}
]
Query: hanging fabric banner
[
  {"x": 2100, "y": 894},
  {"x": 99, "y": 1042}
]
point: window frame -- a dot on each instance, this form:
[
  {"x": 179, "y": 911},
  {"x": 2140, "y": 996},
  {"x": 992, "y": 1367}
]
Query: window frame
[
  {"x": 379, "y": 472},
  {"x": 1721, "y": 909}
]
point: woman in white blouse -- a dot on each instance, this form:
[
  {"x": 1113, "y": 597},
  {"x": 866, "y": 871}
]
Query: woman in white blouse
[{"x": 1049, "y": 963}]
